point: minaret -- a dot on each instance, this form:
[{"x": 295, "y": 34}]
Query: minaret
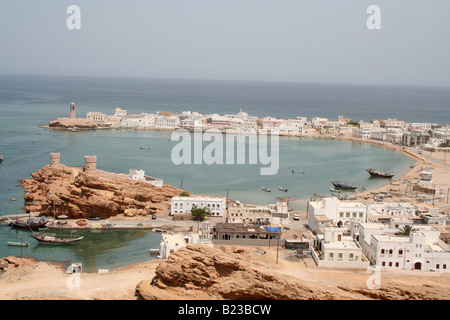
[{"x": 72, "y": 111}]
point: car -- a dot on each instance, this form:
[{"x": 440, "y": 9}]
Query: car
[
  {"x": 94, "y": 218},
  {"x": 296, "y": 217},
  {"x": 154, "y": 216}
]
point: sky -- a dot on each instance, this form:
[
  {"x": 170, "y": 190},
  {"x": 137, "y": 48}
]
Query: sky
[{"x": 315, "y": 41}]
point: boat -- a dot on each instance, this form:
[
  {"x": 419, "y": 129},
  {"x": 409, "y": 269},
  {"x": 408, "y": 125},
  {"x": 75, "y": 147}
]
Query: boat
[
  {"x": 282, "y": 189},
  {"x": 296, "y": 171},
  {"x": 144, "y": 147},
  {"x": 341, "y": 185},
  {"x": 45, "y": 238},
  {"x": 335, "y": 190},
  {"x": 379, "y": 173},
  {"x": 1, "y": 158},
  {"x": 18, "y": 244},
  {"x": 266, "y": 189},
  {"x": 29, "y": 223}
]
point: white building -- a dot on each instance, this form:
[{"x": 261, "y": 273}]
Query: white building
[
  {"x": 143, "y": 120},
  {"x": 171, "y": 242},
  {"x": 96, "y": 116},
  {"x": 382, "y": 212},
  {"x": 339, "y": 212},
  {"x": 339, "y": 251},
  {"x": 120, "y": 113},
  {"x": 422, "y": 250},
  {"x": 167, "y": 122},
  {"x": 139, "y": 175},
  {"x": 182, "y": 205}
]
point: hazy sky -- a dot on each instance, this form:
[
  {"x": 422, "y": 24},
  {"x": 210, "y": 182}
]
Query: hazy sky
[{"x": 267, "y": 40}]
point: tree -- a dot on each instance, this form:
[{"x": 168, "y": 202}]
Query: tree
[
  {"x": 199, "y": 214},
  {"x": 406, "y": 231},
  {"x": 353, "y": 123},
  {"x": 184, "y": 194}
]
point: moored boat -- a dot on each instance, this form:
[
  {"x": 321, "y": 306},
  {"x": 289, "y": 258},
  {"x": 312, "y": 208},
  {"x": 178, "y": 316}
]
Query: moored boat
[
  {"x": 282, "y": 189},
  {"x": 341, "y": 185},
  {"x": 18, "y": 244},
  {"x": 266, "y": 189},
  {"x": 379, "y": 173},
  {"x": 296, "y": 171},
  {"x": 54, "y": 239},
  {"x": 1, "y": 158},
  {"x": 29, "y": 223}
]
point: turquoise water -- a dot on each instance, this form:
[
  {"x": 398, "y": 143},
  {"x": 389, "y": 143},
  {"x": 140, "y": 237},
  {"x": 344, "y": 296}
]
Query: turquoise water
[
  {"x": 27, "y": 102},
  {"x": 99, "y": 249}
]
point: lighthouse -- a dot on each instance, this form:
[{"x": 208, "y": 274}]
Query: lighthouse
[{"x": 72, "y": 111}]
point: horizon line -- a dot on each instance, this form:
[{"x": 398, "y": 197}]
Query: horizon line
[{"x": 292, "y": 82}]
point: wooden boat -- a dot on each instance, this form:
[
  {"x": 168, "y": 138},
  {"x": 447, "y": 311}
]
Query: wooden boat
[
  {"x": 55, "y": 239},
  {"x": 30, "y": 223},
  {"x": 282, "y": 189},
  {"x": 18, "y": 244},
  {"x": 342, "y": 185},
  {"x": 378, "y": 173}
]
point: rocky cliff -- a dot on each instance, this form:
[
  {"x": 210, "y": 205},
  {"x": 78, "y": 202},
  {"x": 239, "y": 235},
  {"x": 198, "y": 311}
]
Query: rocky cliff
[
  {"x": 202, "y": 272},
  {"x": 67, "y": 123},
  {"x": 68, "y": 190}
]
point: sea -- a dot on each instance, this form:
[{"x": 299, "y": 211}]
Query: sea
[{"x": 26, "y": 102}]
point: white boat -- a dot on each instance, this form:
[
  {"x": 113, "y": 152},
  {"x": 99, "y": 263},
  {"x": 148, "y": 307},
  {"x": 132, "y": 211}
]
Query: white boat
[
  {"x": 282, "y": 189},
  {"x": 266, "y": 189},
  {"x": 18, "y": 244},
  {"x": 1, "y": 158},
  {"x": 296, "y": 171}
]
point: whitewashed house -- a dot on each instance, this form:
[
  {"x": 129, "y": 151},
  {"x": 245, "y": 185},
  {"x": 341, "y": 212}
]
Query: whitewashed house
[
  {"x": 139, "y": 175},
  {"x": 336, "y": 250},
  {"x": 183, "y": 205}
]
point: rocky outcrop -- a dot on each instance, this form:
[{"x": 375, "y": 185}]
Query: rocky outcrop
[
  {"x": 67, "y": 123},
  {"x": 202, "y": 272},
  {"x": 70, "y": 191}
]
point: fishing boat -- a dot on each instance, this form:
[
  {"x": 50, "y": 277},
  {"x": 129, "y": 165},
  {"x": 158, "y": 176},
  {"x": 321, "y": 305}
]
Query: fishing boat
[
  {"x": 341, "y": 185},
  {"x": 296, "y": 171},
  {"x": 144, "y": 147},
  {"x": 1, "y": 158},
  {"x": 18, "y": 244},
  {"x": 379, "y": 173},
  {"x": 282, "y": 189},
  {"x": 45, "y": 238},
  {"x": 266, "y": 189},
  {"x": 29, "y": 223}
]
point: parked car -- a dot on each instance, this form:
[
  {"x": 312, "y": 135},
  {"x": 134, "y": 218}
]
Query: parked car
[
  {"x": 296, "y": 217},
  {"x": 153, "y": 216}
]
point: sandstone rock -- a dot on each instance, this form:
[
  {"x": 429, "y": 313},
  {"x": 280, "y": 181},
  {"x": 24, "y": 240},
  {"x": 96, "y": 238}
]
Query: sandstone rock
[
  {"x": 70, "y": 191},
  {"x": 199, "y": 270}
]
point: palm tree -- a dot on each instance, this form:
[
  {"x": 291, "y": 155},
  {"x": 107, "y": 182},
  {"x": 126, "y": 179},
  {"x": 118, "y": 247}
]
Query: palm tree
[{"x": 406, "y": 231}]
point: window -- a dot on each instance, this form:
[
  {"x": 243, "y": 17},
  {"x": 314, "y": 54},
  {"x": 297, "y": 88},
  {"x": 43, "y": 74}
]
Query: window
[
  {"x": 400, "y": 252},
  {"x": 354, "y": 214},
  {"x": 390, "y": 264},
  {"x": 361, "y": 214},
  {"x": 340, "y": 255},
  {"x": 382, "y": 251},
  {"x": 341, "y": 214},
  {"x": 437, "y": 266},
  {"x": 383, "y": 264},
  {"x": 351, "y": 255},
  {"x": 390, "y": 251},
  {"x": 397, "y": 264},
  {"x": 444, "y": 266},
  {"x": 331, "y": 255},
  {"x": 347, "y": 214}
]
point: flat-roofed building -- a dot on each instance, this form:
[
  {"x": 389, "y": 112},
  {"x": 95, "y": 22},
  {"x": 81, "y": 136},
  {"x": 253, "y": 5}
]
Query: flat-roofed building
[{"x": 183, "y": 205}]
